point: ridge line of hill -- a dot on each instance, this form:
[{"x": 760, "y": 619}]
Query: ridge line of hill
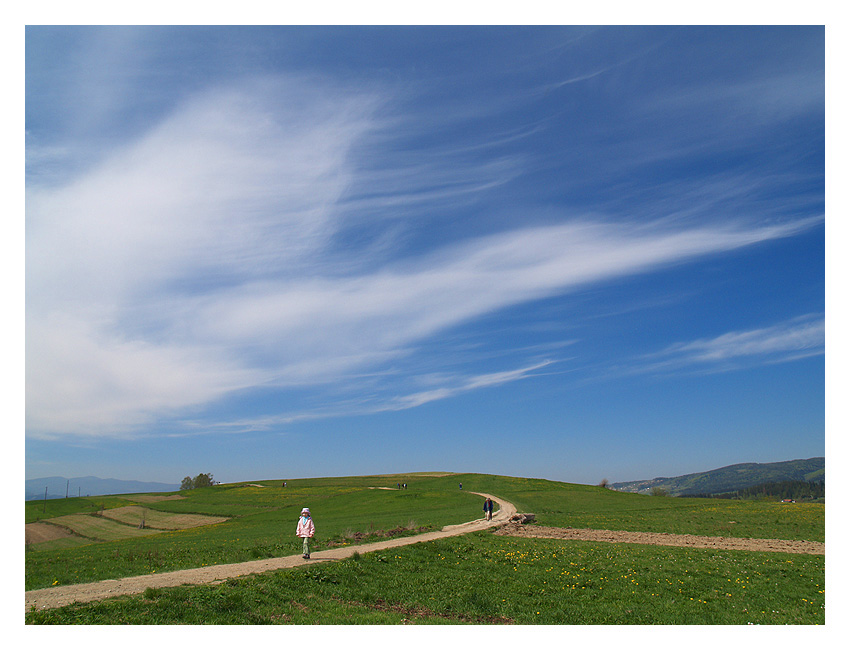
[{"x": 730, "y": 478}]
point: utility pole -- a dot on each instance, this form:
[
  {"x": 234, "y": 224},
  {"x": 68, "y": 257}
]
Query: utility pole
[
  {"x": 67, "y": 485},
  {"x": 44, "y": 509}
]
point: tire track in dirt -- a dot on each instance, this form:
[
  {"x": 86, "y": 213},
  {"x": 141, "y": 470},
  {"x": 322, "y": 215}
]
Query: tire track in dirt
[
  {"x": 81, "y": 593},
  {"x": 665, "y": 539}
]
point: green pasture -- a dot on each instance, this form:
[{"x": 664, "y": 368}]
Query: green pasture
[
  {"x": 448, "y": 579},
  {"x": 584, "y": 506},
  {"x": 481, "y": 578},
  {"x": 262, "y": 524}
]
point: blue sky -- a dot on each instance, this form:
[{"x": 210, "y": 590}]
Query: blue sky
[{"x": 562, "y": 252}]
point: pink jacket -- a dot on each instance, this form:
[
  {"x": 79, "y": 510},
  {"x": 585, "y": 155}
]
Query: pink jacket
[{"x": 305, "y": 527}]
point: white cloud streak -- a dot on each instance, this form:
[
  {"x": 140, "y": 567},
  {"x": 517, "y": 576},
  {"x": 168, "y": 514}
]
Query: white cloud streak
[
  {"x": 467, "y": 384},
  {"x": 786, "y": 341},
  {"x": 763, "y": 101},
  {"x": 202, "y": 260}
]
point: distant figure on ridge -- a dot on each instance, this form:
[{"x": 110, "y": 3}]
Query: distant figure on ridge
[{"x": 305, "y": 530}]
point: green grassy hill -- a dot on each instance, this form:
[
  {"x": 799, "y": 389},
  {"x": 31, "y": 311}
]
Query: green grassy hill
[
  {"x": 479, "y": 577},
  {"x": 730, "y": 478}
]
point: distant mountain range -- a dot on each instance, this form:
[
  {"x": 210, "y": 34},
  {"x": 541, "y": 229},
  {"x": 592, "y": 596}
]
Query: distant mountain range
[
  {"x": 730, "y": 478},
  {"x": 58, "y": 486}
]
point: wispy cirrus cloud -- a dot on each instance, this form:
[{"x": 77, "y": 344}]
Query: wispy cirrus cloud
[
  {"x": 205, "y": 258},
  {"x": 779, "y": 343},
  {"x": 765, "y": 101},
  {"x": 461, "y": 386}
]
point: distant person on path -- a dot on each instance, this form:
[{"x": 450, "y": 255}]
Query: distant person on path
[
  {"x": 460, "y": 486},
  {"x": 488, "y": 508},
  {"x": 305, "y": 530}
]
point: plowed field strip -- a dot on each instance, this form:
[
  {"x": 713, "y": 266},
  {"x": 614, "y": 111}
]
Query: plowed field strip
[
  {"x": 151, "y": 498},
  {"x": 133, "y": 515},
  {"x": 100, "y": 528},
  {"x": 665, "y": 539},
  {"x": 41, "y": 531}
]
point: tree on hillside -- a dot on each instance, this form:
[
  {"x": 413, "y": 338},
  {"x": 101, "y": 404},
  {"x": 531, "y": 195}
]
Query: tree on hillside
[
  {"x": 204, "y": 480},
  {"x": 201, "y": 480}
]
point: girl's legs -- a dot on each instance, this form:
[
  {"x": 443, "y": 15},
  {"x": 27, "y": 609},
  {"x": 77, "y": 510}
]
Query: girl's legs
[{"x": 306, "y": 547}]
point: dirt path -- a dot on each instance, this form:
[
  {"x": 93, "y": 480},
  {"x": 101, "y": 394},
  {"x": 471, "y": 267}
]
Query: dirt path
[
  {"x": 664, "y": 539},
  {"x": 83, "y": 593}
]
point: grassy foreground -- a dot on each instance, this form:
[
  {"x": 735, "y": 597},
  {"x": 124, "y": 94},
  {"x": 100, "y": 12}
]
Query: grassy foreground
[
  {"x": 486, "y": 579},
  {"x": 478, "y": 578}
]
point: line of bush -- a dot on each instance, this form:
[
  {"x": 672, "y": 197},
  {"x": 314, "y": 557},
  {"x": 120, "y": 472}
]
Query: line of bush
[{"x": 796, "y": 490}]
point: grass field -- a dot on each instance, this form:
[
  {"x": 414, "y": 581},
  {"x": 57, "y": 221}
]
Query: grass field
[
  {"x": 481, "y": 578},
  {"x": 476, "y": 578}
]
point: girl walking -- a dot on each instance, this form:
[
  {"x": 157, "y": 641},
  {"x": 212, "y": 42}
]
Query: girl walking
[{"x": 305, "y": 530}]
